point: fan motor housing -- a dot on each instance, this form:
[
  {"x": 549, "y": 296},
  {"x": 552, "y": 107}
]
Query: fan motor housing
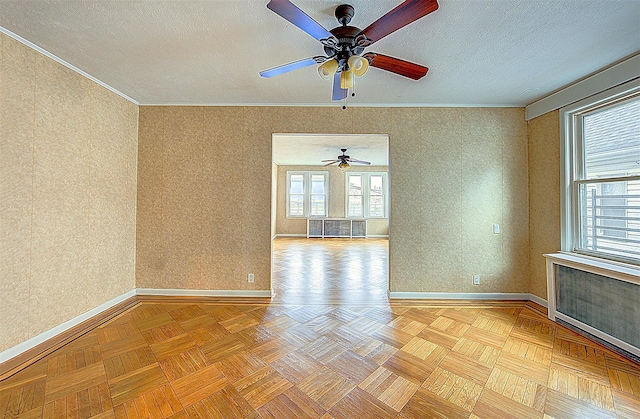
[{"x": 346, "y": 36}]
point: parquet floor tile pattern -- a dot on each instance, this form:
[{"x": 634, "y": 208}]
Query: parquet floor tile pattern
[
  {"x": 325, "y": 349},
  {"x": 330, "y": 271},
  {"x": 195, "y": 359}
]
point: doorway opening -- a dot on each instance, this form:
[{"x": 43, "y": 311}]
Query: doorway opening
[{"x": 330, "y": 221}]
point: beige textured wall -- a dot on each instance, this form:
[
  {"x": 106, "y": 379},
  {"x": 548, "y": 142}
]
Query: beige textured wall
[
  {"x": 67, "y": 193},
  {"x": 455, "y": 172},
  {"x": 337, "y": 208},
  {"x": 204, "y": 181},
  {"x": 544, "y": 195}
]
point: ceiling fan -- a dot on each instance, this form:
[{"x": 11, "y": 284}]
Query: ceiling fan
[
  {"x": 344, "y": 161},
  {"x": 344, "y": 45}
]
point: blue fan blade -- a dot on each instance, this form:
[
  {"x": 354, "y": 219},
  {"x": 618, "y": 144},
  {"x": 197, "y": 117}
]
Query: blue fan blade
[
  {"x": 288, "y": 67},
  {"x": 293, "y": 14},
  {"x": 338, "y": 92}
]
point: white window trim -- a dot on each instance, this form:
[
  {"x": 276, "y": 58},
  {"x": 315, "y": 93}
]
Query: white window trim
[
  {"x": 365, "y": 194},
  {"x": 306, "y": 191},
  {"x": 569, "y": 172}
]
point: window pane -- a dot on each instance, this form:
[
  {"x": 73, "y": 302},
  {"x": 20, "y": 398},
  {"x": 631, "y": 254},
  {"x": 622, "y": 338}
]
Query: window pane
[
  {"x": 296, "y": 205},
  {"x": 612, "y": 141},
  {"x": 355, "y": 185},
  {"x": 317, "y": 205},
  {"x": 297, "y": 182},
  {"x": 317, "y": 184},
  {"x": 376, "y": 206},
  {"x": 610, "y": 218},
  {"x": 376, "y": 185},
  {"x": 612, "y": 209},
  {"x": 355, "y": 206}
]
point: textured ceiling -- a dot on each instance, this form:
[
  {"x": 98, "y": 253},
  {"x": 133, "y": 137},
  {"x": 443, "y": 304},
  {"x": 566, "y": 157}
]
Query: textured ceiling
[{"x": 480, "y": 52}]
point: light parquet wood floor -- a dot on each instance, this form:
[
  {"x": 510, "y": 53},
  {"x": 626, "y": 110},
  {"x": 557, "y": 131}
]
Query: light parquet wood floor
[
  {"x": 206, "y": 360},
  {"x": 330, "y": 271},
  {"x": 182, "y": 358}
]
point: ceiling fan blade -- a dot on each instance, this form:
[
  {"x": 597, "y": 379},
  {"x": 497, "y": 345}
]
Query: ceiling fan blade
[
  {"x": 276, "y": 71},
  {"x": 396, "y": 65},
  {"x": 329, "y": 164},
  {"x": 331, "y": 160},
  {"x": 358, "y": 161},
  {"x": 338, "y": 92},
  {"x": 407, "y": 12},
  {"x": 293, "y": 14}
]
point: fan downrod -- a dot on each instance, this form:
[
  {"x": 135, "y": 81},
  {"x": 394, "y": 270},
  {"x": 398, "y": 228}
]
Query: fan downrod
[{"x": 344, "y": 14}]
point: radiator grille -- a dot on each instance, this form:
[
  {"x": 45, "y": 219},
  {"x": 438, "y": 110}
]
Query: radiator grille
[
  {"x": 336, "y": 227},
  {"x": 315, "y": 228},
  {"x": 607, "y": 304},
  {"x": 359, "y": 228}
]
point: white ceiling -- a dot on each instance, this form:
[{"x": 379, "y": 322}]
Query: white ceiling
[{"x": 480, "y": 52}]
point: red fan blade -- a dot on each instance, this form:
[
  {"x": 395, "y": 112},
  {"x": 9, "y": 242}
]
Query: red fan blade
[
  {"x": 293, "y": 14},
  {"x": 396, "y": 65},
  {"x": 407, "y": 12}
]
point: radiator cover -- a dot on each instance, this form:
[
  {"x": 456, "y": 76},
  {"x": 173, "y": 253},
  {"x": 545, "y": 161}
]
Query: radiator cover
[
  {"x": 606, "y": 304},
  {"x": 336, "y": 227}
]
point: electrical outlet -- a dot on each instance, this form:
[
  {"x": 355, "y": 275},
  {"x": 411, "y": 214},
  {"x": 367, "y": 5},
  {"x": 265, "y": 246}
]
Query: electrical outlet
[
  {"x": 250, "y": 277},
  {"x": 496, "y": 229},
  {"x": 476, "y": 280}
]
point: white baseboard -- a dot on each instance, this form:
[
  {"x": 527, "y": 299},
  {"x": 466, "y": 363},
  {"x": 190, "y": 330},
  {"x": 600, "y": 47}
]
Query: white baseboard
[
  {"x": 538, "y": 300},
  {"x": 290, "y": 235},
  {"x": 378, "y": 236},
  {"x": 62, "y": 327},
  {"x": 459, "y": 296},
  {"x": 204, "y": 293},
  {"x": 66, "y": 326}
]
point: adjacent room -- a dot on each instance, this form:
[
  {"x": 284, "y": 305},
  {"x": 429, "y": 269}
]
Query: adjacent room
[
  {"x": 311, "y": 209},
  {"x": 330, "y": 218}
]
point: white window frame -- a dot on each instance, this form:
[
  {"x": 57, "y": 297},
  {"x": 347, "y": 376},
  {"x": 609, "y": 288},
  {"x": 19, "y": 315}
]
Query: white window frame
[
  {"x": 573, "y": 166},
  {"x": 306, "y": 191},
  {"x": 366, "y": 190}
]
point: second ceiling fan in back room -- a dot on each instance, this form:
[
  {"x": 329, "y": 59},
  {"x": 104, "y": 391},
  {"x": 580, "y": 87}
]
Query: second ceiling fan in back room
[
  {"x": 343, "y": 161},
  {"x": 344, "y": 45}
]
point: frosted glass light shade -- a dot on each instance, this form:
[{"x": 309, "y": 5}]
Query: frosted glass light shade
[
  {"x": 358, "y": 65},
  {"x": 328, "y": 69},
  {"x": 346, "y": 79}
]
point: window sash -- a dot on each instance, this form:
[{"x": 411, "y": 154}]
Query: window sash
[
  {"x": 313, "y": 202},
  {"x": 366, "y": 202},
  {"x": 608, "y": 225},
  {"x": 616, "y": 235}
]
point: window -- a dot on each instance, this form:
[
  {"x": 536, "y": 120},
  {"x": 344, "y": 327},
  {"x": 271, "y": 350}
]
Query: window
[
  {"x": 366, "y": 195},
  {"x": 601, "y": 212},
  {"x": 307, "y": 194}
]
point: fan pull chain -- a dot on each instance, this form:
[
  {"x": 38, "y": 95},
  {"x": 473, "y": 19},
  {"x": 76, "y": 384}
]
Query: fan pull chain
[{"x": 353, "y": 94}]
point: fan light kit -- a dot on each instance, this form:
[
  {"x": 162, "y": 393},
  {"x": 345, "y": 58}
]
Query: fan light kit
[
  {"x": 344, "y": 45},
  {"x": 344, "y": 161}
]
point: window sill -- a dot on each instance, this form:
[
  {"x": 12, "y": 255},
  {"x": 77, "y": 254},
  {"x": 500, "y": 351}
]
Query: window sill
[{"x": 618, "y": 270}]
